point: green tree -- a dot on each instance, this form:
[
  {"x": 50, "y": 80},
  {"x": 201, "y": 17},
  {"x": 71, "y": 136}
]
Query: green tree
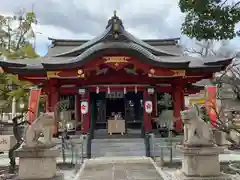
[
  {"x": 210, "y": 19},
  {"x": 16, "y": 34}
]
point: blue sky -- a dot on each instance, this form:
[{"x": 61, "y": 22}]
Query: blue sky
[{"x": 84, "y": 19}]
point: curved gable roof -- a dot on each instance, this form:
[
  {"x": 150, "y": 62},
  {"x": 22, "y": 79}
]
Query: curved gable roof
[
  {"x": 130, "y": 48},
  {"x": 115, "y": 32}
]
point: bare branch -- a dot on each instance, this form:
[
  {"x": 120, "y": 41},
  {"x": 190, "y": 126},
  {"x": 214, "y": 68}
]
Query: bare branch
[
  {"x": 223, "y": 3},
  {"x": 235, "y": 5},
  {"x": 194, "y": 51},
  {"x": 221, "y": 123}
]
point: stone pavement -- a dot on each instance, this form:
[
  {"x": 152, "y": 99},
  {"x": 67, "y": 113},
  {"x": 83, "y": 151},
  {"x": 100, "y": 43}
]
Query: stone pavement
[
  {"x": 118, "y": 147},
  {"x": 118, "y": 168}
]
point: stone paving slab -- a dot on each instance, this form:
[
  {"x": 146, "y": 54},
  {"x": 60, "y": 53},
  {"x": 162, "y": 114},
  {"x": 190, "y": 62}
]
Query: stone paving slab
[{"x": 119, "y": 169}]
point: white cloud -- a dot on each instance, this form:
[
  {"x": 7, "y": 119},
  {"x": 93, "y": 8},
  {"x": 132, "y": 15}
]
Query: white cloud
[
  {"x": 84, "y": 19},
  {"x": 43, "y": 32},
  {"x": 46, "y": 31}
]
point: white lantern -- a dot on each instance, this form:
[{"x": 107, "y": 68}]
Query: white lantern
[
  {"x": 148, "y": 106},
  {"x": 97, "y": 90},
  {"x": 84, "y": 107},
  {"x": 135, "y": 89},
  {"x": 124, "y": 90}
]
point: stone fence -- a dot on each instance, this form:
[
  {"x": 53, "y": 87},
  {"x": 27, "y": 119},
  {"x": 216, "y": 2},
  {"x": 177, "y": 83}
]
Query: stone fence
[
  {"x": 7, "y": 117},
  {"x": 165, "y": 148}
]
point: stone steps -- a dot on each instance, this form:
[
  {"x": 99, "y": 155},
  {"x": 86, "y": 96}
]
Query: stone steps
[{"x": 118, "y": 147}]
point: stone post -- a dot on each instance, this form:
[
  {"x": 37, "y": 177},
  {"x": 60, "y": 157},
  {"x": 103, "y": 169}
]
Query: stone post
[{"x": 14, "y": 104}]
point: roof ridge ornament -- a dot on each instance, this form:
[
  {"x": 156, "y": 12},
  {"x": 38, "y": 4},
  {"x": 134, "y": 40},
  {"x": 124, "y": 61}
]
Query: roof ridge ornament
[{"x": 115, "y": 25}]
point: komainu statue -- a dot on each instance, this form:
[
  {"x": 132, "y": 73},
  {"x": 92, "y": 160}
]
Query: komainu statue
[
  {"x": 43, "y": 125},
  {"x": 196, "y": 131}
]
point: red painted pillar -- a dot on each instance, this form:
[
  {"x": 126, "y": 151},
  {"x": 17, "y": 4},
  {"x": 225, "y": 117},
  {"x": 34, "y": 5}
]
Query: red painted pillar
[
  {"x": 47, "y": 90},
  {"x": 178, "y": 101},
  {"x": 86, "y": 117},
  {"x": 48, "y": 102},
  {"x": 77, "y": 109},
  {"x": 154, "y": 101},
  {"x": 182, "y": 100},
  {"x": 53, "y": 98},
  {"x": 147, "y": 118}
]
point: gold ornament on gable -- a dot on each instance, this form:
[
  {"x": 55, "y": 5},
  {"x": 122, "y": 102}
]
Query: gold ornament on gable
[
  {"x": 52, "y": 74},
  {"x": 116, "y": 59},
  {"x": 178, "y": 72}
]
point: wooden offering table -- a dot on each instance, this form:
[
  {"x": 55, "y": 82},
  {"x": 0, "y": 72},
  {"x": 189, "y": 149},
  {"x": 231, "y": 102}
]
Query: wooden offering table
[{"x": 116, "y": 126}]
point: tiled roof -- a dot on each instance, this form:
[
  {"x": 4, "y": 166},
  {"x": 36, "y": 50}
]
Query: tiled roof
[{"x": 116, "y": 38}]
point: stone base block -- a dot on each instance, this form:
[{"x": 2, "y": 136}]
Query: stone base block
[
  {"x": 57, "y": 177},
  {"x": 201, "y": 161},
  {"x": 37, "y": 164},
  {"x": 181, "y": 176}
]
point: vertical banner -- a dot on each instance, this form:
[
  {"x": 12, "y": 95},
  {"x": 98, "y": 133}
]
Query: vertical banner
[
  {"x": 211, "y": 103},
  {"x": 33, "y": 104}
]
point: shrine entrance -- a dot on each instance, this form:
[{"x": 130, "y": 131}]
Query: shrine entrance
[
  {"x": 120, "y": 106},
  {"x": 115, "y": 105}
]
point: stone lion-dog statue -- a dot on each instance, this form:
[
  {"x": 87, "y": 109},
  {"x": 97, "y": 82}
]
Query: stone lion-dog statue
[
  {"x": 44, "y": 124},
  {"x": 196, "y": 131}
]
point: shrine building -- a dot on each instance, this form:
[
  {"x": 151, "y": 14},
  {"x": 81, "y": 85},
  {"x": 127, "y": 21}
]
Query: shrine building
[{"x": 117, "y": 72}]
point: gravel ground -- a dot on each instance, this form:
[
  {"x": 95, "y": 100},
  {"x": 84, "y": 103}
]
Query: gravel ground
[
  {"x": 170, "y": 175},
  {"x": 169, "y": 170},
  {"x": 68, "y": 170}
]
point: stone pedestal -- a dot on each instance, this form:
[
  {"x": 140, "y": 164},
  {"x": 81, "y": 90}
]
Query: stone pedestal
[
  {"x": 36, "y": 164},
  {"x": 201, "y": 163}
]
